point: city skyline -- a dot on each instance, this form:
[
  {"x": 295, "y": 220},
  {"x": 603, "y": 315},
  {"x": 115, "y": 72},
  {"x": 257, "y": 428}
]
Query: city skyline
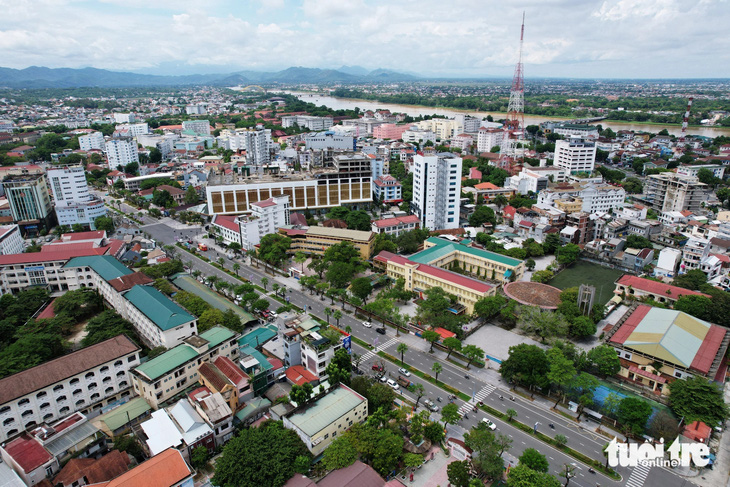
[{"x": 463, "y": 39}]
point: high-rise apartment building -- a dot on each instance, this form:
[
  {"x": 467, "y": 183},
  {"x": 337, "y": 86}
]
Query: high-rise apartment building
[
  {"x": 488, "y": 138},
  {"x": 437, "y": 189},
  {"x": 121, "y": 151},
  {"x": 30, "y": 203},
  {"x": 124, "y": 118},
  {"x": 575, "y": 155},
  {"x": 74, "y": 203},
  {"x": 93, "y": 141},
  {"x": 673, "y": 192}
]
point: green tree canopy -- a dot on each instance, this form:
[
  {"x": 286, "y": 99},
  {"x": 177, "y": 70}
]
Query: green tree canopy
[
  {"x": 604, "y": 360},
  {"x": 527, "y": 365},
  {"x": 340, "y": 453},
  {"x": 697, "y": 399},
  {"x": 633, "y": 413},
  {"x": 259, "y": 456},
  {"x": 273, "y": 248},
  {"x": 534, "y": 460}
]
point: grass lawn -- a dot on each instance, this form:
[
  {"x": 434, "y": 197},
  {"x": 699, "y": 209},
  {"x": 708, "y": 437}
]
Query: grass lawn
[{"x": 581, "y": 272}]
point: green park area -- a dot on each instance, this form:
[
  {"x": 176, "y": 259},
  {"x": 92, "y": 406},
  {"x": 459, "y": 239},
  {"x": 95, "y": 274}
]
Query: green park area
[{"x": 603, "y": 278}]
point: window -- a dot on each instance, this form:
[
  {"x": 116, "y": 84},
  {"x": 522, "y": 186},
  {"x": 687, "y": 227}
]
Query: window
[
  {"x": 5, "y": 409},
  {"x": 27, "y": 412},
  {"x": 45, "y": 405},
  {"x": 41, "y": 394},
  {"x": 120, "y": 373},
  {"x": 94, "y": 396},
  {"x": 118, "y": 363},
  {"x": 108, "y": 390},
  {"x": 12, "y": 432},
  {"x": 77, "y": 392},
  {"x": 132, "y": 358},
  {"x": 58, "y": 388},
  {"x": 104, "y": 369},
  {"x": 61, "y": 398},
  {"x": 8, "y": 421},
  {"x": 74, "y": 381},
  {"x": 47, "y": 416},
  {"x": 23, "y": 402},
  {"x": 80, "y": 402}
]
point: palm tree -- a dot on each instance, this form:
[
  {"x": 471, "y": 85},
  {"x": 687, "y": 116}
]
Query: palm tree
[
  {"x": 437, "y": 368},
  {"x": 328, "y": 312},
  {"x": 402, "y": 349},
  {"x": 275, "y": 288},
  {"x": 196, "y": 273},
  {"x": 337, "y": 314},
  {"x": 500, "y": 200},
  {"x": 331, "y": 293},
  {"x": 221, "y": 261},
  {"x": 264, "y": 282},
  {"x": 236, "y": 267}
]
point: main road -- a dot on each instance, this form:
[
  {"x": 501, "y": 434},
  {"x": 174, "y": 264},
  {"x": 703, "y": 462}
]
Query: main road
[{"x": 581, "y": 439}]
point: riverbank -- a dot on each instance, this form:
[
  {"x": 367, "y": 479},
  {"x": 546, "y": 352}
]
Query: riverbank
[{"x": 338, "y": 103}]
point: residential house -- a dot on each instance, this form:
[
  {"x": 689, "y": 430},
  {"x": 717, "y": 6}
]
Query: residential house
[
  {"x": 667, "y": 263},
  {"x": 179, "y": 427},
  {"x": 215, "y": 412},
  {"x": 166, "y": 469},
  {"x": 637, "y": 287},
  {"x": 89, "y": 471},
  {"x": 396, "y": 226}
]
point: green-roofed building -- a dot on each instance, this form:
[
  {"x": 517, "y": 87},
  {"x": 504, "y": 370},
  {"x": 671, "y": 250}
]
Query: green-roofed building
[
  {"x": 253, "y": 410},
  {"x": 158, "y": 319},
  {"x": 106, "y": 266},
  {"x": 319, "y": 422},
  {"x": 258, "y": 336},
  {"x": 120, "y": 419},
  {"x": 450, "y": 254},
  {"x": 190, "y": 284},
  {"x": 162, "y": 378}
]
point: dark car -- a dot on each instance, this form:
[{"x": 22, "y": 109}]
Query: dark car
[{"x": 381, "y": 330}]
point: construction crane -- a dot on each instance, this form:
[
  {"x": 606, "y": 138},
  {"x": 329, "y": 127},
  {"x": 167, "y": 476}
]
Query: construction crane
[
  {"x": 685, "y": 122},
  {"x": 514, "y": 126}
]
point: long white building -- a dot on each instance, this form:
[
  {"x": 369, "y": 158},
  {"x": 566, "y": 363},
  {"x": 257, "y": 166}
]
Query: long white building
[
  {"x": 437, "y": 189},
  {"x": 198, "y": 127},
  {"x": 121, "y": 151},
  {"x": 73, "y": 202},
  {"x": 307, "y": 121},
  {"x": 488, "y": 138},
  {"x": 594, "y": 197}
]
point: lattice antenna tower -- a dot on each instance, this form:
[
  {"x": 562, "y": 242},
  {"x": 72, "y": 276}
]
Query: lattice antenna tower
[
  {"x": 514, "y": 126},
  {"x": 685, "y": 122}
]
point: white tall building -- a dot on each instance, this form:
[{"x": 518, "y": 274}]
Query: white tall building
[
  {"x": 469, "y": 124},
  {"x": 575, "y": 155},
  {"x": 437, "y": 189},
  {"x": 198, "y": 127},
  {"x": 488, "y": 138},
  {"x": 307, "y": 121},
  {"x": 93, "y": 141},
  {"x": 121, "y": 151},
  {"x": 124, "y": 118},
  {"x": 266, "y": 217},
  {"x": 257, "y": 143},
  {"x": 131, "y": 129},
  {"x": 72, "y": 200}
]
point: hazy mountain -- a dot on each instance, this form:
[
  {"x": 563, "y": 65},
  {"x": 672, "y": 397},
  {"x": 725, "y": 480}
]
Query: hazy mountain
[
  {"x": 41, "y": 77},
  {"x": 353, "y": 70}
]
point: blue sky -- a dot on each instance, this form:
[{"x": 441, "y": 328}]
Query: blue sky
[{"x": 456, "y": 38}]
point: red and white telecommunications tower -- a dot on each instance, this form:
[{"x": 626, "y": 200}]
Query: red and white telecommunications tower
[{"x": 514, "y": 126}]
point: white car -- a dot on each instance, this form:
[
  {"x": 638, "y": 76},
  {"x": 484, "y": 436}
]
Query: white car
[
  {"x": 367, "y": 324},
  {"x": 489, "y": 424},
  {"x": 393, "y": 384},
  {"x": 404, "y": 372}
]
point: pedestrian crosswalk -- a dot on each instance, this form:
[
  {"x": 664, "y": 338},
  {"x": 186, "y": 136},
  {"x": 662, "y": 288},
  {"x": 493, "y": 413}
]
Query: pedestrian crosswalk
[
  {"x": 478, "y": 397},
  {"x": 371, "y": 353},
  {"x": 638, "y": 475}
]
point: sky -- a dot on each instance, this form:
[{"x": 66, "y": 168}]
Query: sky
[{"x": 455, "y": 38}]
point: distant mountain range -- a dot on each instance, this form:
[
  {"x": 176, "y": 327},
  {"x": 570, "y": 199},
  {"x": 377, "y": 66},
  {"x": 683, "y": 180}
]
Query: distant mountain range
[{"x": 41, "y": 77}]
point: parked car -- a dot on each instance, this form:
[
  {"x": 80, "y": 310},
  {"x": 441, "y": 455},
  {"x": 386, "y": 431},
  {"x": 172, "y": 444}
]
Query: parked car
[
  {"x": 383, "y": 379},
  {"x": 392, "y": 384},
  {"x": 489, "y": 424},
  {"x": 404, "y": 372},
  {"x": 378, "y": 367},
  {"x": 381, "y": 330},
  {"x": 367, "y": 324},
  {"x": 403, "y": 381}
]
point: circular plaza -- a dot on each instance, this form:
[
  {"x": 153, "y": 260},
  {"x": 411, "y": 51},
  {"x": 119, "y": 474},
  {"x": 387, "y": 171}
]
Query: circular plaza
[{"x": 533, "y": 294}]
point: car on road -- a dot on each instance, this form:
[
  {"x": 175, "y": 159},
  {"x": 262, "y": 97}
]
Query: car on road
[
  {"x": 430, "y": 405},
  {"x": 404, "y": 372},
  {"x": 381, "y": 330},
  {"x": 383, "y": 379},
  {"x": 489, "y": 424},
  {"x": 393, "y": 384},
  {"x": 378, "y": 368},
  {"x": 367, "y": 324}
]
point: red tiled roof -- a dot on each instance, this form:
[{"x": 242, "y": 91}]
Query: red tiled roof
[
  {"x": 486, "y": 186},
  {"x": 697, "y": 431},
  {"x": 276, "y": 363},
  {"x": 509, "y": 211},
  {"x": 58, "y": 254},
  {"x": 93, "y": 235},
  {"x": 525, "y": 223},
  {"x": 230, "y": 370},
  {"x": 356, "y": 475},
  {"x": 628, "y": 327},
  {"x": 127, "y": 282},
  {"x": 454, "y": 278},
  {"x": 444, "y": 333},
  {"x": 297, "y": 219},
  {"x": 111, "y": 465},
  {"x": 55, "y": 246},
  {"x": 48, "y": 312},
  {"x": 170, "y": 189},
  {"x": 226, "y": 221},
  {"x": 265, "y": 203},
  {"x": 385, "y": 256},
  {"x": 163, "y": 470},
  {"x": 299, "y": 375},
  {"x": 293, "y": 231},
  {"x": 647, "y": 374},
  {"x": 213, "y": 376},
  {"x": 27, "y": 453},
  {"x": 708, "y": 350},
  {"x": 391, "y": 222},
  {"x": 658, "y": 288}
]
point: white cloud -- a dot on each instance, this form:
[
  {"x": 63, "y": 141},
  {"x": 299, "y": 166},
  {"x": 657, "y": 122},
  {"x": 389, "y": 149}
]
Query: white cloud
[{"x": 643, "y": 38}]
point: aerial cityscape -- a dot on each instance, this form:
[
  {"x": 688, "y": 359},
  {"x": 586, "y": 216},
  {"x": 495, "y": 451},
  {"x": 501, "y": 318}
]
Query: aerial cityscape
[{"x": 298, "y": 243}]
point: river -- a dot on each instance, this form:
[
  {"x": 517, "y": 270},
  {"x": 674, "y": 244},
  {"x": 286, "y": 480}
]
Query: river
[{"x": 415, "y": 110}]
